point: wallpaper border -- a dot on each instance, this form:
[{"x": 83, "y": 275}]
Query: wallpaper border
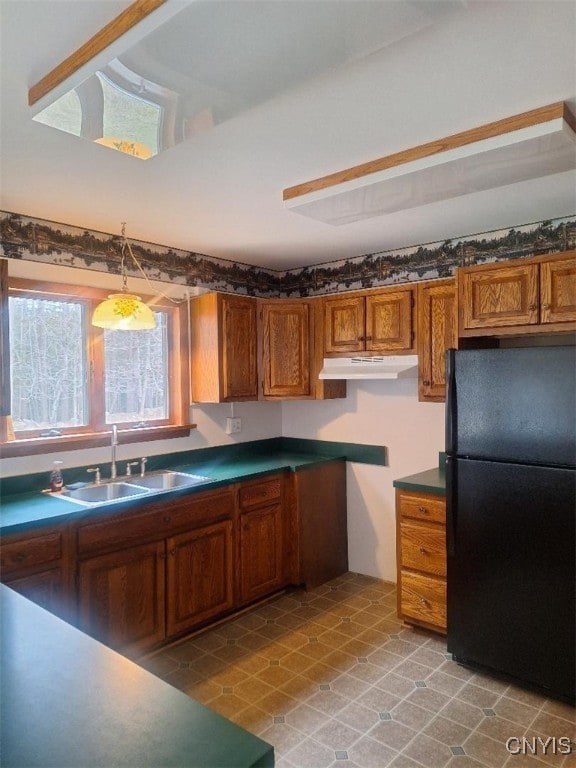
[{"x": 32, "y": 239}]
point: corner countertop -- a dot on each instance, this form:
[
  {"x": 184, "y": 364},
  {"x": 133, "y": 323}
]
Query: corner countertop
[
  {"x": 429, "y": 481},
  {"x": 67, "y": 701},
  {"x": 25, "y": 510}
]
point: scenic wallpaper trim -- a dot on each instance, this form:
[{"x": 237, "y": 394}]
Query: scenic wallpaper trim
[{"x": 48, "y": 242}]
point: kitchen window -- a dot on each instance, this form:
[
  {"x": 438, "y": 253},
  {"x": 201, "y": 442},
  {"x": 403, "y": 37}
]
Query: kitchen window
[{"x": 67, "y": 381}]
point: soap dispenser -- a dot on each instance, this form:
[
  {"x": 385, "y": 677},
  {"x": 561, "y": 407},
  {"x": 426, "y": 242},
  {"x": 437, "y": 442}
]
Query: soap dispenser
[{"x": 56, "y": 479}]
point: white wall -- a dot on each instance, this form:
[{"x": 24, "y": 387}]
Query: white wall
[{"x": 381, "y": 413}]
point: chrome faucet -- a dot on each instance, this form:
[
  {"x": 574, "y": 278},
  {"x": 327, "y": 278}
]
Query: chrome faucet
[{"x": 114, "y": 443}]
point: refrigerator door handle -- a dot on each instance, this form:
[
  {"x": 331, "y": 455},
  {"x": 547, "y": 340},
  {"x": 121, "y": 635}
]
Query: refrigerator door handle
[
  {"x": 451, "y": 520},
  {"x": 451, "y": 447}
]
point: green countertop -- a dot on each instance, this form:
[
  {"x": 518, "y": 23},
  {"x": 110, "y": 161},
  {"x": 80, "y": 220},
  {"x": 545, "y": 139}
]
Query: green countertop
[
  {"x": 24, "y": 510},
  {"x": 429, "y": 481},
  {"x": 68, "y": 701}
]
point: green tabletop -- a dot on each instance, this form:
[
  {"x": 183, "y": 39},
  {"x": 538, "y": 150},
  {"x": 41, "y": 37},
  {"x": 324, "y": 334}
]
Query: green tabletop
[
  {"x": 68, "y": 701},
  {"x": 429, "y": 481}
]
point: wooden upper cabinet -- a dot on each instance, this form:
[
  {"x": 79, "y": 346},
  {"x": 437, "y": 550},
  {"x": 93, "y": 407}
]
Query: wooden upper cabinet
[
  {"x": 344, "y": 324},
  {"x": 500, "y": 295},
  {"x": 522, "y": 296},
  {"x": 369, "y": 323},
  {"x": 286, "y": 348},
  {"x": 224, "y": 361},
  {"x": 389, "y": 321},
  {"x": 558, "y": 290},
  {"x": 437, "y": 332}
]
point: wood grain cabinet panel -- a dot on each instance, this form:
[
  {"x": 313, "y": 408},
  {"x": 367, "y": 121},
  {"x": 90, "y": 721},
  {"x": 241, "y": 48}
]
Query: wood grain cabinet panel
[
  {"x": 224, "y": 348},
  {"x": 261, "y": 552},
  {"x": 372, "y": 322},
  {"x": 344, "y": 324},
  {"x": 437, "y": 332},
  {"x": 286, "y": 336},
  {"x": 558, "y": 290},
  {"x": 121, "y": 597},
  {"x": 421, "y": 558},
  {"x": 389, "y": 321},
  {"x": 36, "y": 564},
  {"x": 519, "y": 297},
  {"x": 199, "y": 577}
]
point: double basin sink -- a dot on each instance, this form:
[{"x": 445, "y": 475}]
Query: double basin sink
[{"x": 130, "y": 487}]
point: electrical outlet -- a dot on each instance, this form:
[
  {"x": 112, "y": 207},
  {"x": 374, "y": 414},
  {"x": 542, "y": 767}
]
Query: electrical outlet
[{"x": 233, "y": 425}]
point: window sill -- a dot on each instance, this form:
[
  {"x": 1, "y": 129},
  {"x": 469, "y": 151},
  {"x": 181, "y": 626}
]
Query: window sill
[{"x": 40, "y": 445}]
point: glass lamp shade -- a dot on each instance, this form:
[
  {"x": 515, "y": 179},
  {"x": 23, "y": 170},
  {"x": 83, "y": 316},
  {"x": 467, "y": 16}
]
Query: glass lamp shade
[{"x": 123, "y": 312}]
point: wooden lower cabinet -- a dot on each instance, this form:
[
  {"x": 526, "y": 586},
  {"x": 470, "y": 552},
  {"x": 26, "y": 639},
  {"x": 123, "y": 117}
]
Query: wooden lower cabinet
[
  {"x": 261, "y": 552},
  {"x": 36, "y": 564},
  {"x": 199, "y": 577},
  {"x": 421, "y": 558},
  {"x": 121, "y": 597},
  {"x": 262, "y": 537}
]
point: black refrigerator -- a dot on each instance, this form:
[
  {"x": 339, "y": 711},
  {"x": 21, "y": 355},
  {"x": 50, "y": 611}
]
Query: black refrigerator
[{"x": 511, "y": 513}]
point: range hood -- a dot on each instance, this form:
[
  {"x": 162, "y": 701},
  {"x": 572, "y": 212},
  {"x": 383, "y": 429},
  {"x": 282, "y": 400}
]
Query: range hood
[{"x": 385, "y": 367}]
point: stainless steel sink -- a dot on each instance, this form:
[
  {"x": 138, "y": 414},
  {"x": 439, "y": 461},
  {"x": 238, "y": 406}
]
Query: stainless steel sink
[
  {"x": 166, "y": 480},
  {"x": 106, "y": 492},
  {"x": 130, "y": 488}
]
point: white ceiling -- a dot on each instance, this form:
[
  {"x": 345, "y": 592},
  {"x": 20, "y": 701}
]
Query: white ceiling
[{"x": 220, "y": 192}]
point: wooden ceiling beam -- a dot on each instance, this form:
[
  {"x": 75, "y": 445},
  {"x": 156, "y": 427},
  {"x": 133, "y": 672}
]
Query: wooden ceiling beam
[{"x": 135, "y": 12}]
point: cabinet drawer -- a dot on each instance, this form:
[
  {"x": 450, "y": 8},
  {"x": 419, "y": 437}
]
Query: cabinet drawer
[
  {"x": 421, "y": 506},
  {"x": 31, "y": 551},
  {"x": 423, "y": 548},
  {"x": 156, "y": 522},
  {"x": 423, "y": 598},
  {"x": 256, "y": 494}
]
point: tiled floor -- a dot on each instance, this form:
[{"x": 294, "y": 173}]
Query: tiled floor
[{"x": 331, "y": 678}]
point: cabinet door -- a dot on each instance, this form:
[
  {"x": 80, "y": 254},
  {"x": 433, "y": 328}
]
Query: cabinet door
[
  {"x": 286, "y": 349},
  {"x": 261, "y": 552},
  {"x": 558, "y": 290},
  {"x": 121, "y": 597},
  {"x": 46, "y": 588},
  {"x": 500, "y": 296},
  {"x": 199, "y": 576},
  {"x": 389, "y": 321},
  {"x": 437, "y": 332},
  {"x": 344, "y": 325},
  {"x": 238, "y": 334}
]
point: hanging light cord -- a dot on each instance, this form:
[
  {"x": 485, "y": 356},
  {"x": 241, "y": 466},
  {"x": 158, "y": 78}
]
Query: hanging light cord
[{"x": 126, "y": 247}]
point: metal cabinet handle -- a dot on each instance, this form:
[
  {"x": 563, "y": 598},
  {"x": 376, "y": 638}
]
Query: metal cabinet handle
[
  {"x": 172, "y": 552},
  {"x": 426, "y": 383},
  {"x": 423, "y": 510},
  {"x": 424, "y": 602},
  {"x": 423, "y": 551},
  {"x": 20, "y": 557},
  {"x": 545, "y": 306},
  {"x": 532, "y": 307},
  {"x": 166, "y": 518}
]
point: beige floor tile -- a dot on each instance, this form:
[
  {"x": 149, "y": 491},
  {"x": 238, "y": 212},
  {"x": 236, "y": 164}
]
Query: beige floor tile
[
  {"x": 322, "y": 701},
  {"x": 447, "y": 731},
  {"x": 306, "y": 719},
  {"x": 336, "y": 735},
  {"x": 370, "y": 753},
  {"x": 429, "y": 752},
  {"x": 311, "y": 754},
  {"x": 282, "y": 737},
  {"x": 393, "y": 734},
  {"x": 486, "y": 750}
]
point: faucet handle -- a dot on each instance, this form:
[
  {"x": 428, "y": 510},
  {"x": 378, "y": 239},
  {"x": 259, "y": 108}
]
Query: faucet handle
[
  {"x": 129, "y": 465},
  {"x": 96, "y": 471},
  {"x": 143, "y": 461}
]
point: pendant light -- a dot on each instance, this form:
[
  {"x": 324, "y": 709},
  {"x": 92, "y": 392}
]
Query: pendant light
[{"x": 124, "y": 311}]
